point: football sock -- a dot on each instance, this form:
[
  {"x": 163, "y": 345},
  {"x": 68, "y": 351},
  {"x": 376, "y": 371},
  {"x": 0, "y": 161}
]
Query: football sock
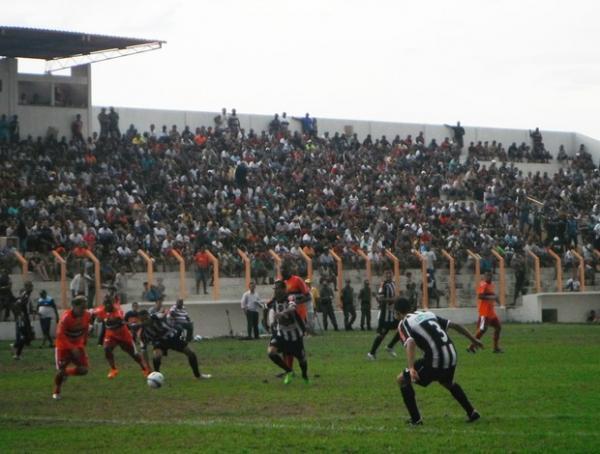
[
  {"x": 138, "y": 359},
  {"x": 408, "y": 395},
  {"x": 304, "y": 368},
  {"x": 58, "y": 380},
  {"x": 277, "y": 360},
  {"x": 394, "y": 340},
  {"x": 496, "y": 338},
  {"x": 376, "y": 343},
  {"x": 193, "y": 360},
  {"x": 458, "y": 393},
  {"x": 110, "y": 357},
  {"x": 156, "y": 364},
  {"x": 289, "y": 360}
]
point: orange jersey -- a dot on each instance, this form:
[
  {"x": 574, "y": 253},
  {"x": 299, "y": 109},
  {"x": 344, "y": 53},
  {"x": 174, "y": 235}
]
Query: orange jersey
[
  {"x": 486, "y": 307},
  {"x": 72, "y": 331},
  {"x": 296, "y": 286},
  {"x": 114, "y": 321}
]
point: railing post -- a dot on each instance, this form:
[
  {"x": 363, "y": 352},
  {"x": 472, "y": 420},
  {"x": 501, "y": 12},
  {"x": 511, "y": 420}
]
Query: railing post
[
  {"x": 340, "y": 276},
  {"x": 536, "y": 267},
  {"x": 581, "y": 269},
  {"x": 277, "y": 261},
  {"x": 247, "y": 266},
  {"x": 424, "y": 282},
  {"x": 309, "y": 265},
  {"x": 63, "y": 279},
  {"x": 89, "y": 254},
  {"x": 149, "y": 266},
  {"x": 451, "y": 277},
  {"x": 23, "y": 262},
  {"x": 216, "y": 276},
  {"x": 558, "y": 265},
  {"x": 477, "y": 259},
  {"x": 502, "y": 277},
  {"x": 361, "y": 253},
  {"x": 182, "y": 286},
  {"x": 396, "y": 263}
]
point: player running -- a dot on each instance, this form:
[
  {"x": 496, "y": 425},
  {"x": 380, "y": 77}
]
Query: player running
[
  {"x": 155, "y": 331},
  {"x": 287, "y": 328},
  {"x": 71, "y": 338},
  {"x": 117, "y": 334},
  {"x": 487, "y": 314},
  {"x": 386, "y": 297},
  {"x": 428, "y": 332}
]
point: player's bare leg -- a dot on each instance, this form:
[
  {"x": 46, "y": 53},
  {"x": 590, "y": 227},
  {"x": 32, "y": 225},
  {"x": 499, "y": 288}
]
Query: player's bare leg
[
  {"x": 276, "y": 358},
  {"x": 130, "y": 350},
  {"x": 62, "y": 375},
  {"x": 193, "y": 360},
  {"x": 110, "y": 357}
]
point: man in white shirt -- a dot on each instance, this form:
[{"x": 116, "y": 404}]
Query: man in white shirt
[{"x": 251, "y": 305}]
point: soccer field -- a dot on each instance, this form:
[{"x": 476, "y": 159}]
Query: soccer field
[{"x": 543, "y": 394}]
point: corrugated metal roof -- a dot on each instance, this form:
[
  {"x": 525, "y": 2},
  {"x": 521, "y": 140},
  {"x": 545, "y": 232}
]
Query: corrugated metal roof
[{"x": 47, "y": 44}]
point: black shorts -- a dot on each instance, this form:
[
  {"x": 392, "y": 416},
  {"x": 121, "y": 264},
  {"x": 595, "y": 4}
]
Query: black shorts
[
  {"x": 174, "y": 343},
  {"x": 294, "y": 348},
  {"x": 428, "y": 374},
  {"x": 384, "y": 327}
]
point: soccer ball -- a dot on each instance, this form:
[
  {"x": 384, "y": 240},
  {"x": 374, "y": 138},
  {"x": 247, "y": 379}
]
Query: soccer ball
[{"x": 155, "y": 380}]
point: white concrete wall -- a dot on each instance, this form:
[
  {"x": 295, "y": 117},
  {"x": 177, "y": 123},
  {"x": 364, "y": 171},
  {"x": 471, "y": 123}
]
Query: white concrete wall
[
  {"x": 142, "y": 118},
  {"x": 210, "y": 317}
]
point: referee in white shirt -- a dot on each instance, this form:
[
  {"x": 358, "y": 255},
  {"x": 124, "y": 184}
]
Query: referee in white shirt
[{"x": 251, "y": 305}]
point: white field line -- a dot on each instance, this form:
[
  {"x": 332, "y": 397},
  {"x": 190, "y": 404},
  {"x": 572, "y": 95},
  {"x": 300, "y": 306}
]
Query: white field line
[{"x": 302, "y": 426}]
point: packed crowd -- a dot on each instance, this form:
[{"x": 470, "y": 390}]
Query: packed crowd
[{"x": 224, "y": 188}]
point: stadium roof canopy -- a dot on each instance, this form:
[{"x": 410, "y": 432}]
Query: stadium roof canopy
[{"x": 70, "y": 48}]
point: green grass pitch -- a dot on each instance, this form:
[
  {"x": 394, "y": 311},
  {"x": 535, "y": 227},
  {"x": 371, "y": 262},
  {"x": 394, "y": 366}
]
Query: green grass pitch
[{"x": 543, "y": 394}]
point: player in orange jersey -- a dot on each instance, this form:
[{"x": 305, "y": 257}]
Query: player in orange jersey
[
  {"x": 486, "y": 298},
  {"x": 300, "y": 293},
  {"x": 71, "y": 337},
  {"x": 117, "y": 334}
]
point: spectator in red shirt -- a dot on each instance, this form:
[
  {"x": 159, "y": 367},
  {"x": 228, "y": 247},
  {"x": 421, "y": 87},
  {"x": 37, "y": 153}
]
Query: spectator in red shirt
[{"x": 202, "y": 260}]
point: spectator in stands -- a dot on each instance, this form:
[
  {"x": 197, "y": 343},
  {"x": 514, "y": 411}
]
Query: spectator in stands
[
  {"x": 459, "y": 133},
  {"x": 113, "y": 124},
  {"x": 104, "y": 121},
  {"x": 77, "y": 128}
]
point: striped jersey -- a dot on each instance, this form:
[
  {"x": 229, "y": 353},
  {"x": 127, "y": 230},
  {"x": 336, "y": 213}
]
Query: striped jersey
[
  {"x": 429, "y": 333},
  {"x": 386, "y": 310},
  {"x": 291, "y": 329},
  {"x": 178, "y": 315},
  {"x": 158, "y": 330}
]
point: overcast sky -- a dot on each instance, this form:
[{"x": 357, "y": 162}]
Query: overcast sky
[{"x": 501, "y": 63}]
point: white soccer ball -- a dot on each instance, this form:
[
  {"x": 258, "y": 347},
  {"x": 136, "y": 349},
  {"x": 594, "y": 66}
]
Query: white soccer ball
[{"x": 155, "y": 380}]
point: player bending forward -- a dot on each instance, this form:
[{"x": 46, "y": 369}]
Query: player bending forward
[
  {"x": 117, "y": 334},
  {"x": 287, "y": 329},
  {"x": 71, "y": 337},
  {"x": 163, "y": 337},
  {"x": 428, "y": 332}
]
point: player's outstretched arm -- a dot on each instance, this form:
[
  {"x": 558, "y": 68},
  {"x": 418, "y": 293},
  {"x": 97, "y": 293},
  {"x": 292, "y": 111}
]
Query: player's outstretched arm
[{"x": 462, "y": 330}]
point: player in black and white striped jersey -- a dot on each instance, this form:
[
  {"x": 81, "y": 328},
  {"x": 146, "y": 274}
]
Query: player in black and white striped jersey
[
  {"x": 287, "y": 328},
  {"x": 428, "y": 332},
  {"x": 386, "y": 297}
]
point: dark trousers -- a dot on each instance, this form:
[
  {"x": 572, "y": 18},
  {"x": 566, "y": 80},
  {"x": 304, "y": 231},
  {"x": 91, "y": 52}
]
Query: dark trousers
[
  {"x": 201, "y": 275},
  {"x": 349, "y": 316},
  {"x": 519, "y": 285},
  {"x": 365, "y": 317},
  {"x": 328, "y": 314},
  {"x": 252, "y": 323},
  {"x": 45, "y": 323}
]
